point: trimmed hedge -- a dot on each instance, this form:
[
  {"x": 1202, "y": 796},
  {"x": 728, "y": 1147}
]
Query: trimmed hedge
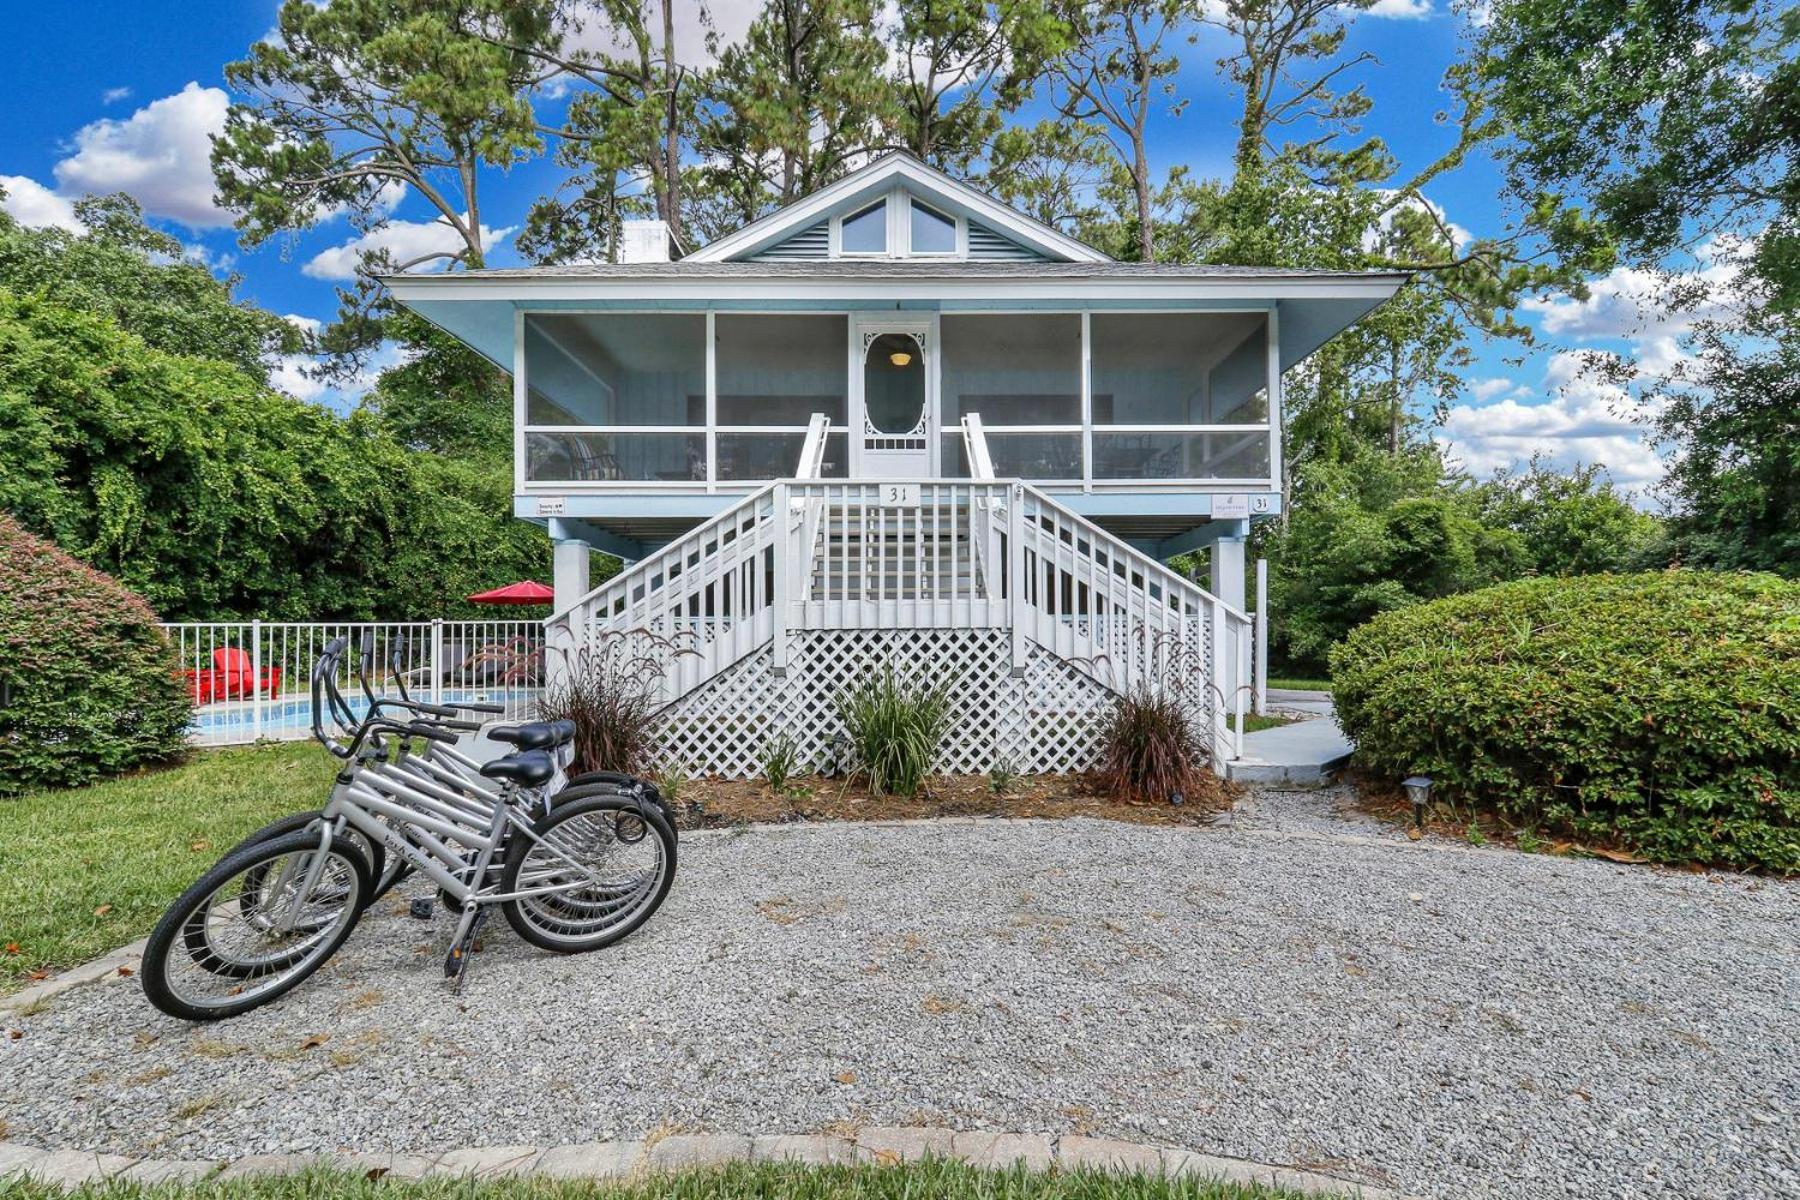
[
  {"x": 1660, "y": 712},
  {"x": 88, "y": 684}
]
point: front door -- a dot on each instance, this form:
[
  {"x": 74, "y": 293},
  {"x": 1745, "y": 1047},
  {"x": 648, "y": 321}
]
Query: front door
[{"x": 892, "y": 389}]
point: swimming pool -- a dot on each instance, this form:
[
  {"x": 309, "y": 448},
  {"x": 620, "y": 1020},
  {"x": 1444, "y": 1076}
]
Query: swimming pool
[{"x": 289, "y": 718}]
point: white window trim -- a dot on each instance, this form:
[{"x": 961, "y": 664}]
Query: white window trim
[
  {"x": 837, "y": 230},
  {"x": 899, "y": 204},
  {"x": 959, "y": 225}
]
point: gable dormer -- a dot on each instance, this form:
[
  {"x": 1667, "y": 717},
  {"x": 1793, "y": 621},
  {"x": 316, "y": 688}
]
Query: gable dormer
[{"x": 897, "y": 209}]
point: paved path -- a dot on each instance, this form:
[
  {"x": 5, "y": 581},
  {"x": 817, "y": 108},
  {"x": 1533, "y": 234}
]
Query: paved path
[
  {"x": 1305, "y": 754},
  {"x": 1299, "y": 987}
]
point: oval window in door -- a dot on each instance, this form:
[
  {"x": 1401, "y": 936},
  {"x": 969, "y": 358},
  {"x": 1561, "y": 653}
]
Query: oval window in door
[{"x": 894, "y": 385}]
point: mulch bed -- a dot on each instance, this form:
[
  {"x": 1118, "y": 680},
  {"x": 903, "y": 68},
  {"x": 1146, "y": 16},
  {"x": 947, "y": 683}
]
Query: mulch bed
[{"x": 717, "y": 803}]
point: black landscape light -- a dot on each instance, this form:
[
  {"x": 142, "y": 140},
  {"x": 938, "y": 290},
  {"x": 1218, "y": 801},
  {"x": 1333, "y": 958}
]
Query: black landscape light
[{"x": 1418, "y": 790}]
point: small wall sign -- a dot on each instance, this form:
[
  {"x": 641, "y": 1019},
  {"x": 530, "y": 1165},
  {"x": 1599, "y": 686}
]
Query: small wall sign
[
  {"x": 551, "y": 506},
  {"x": 1230, "y": 508},
  {"x": 899, "y": 495}
]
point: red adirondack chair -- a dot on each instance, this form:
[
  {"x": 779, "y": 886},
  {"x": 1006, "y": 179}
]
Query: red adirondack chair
[{"x": 232, "y": 677}]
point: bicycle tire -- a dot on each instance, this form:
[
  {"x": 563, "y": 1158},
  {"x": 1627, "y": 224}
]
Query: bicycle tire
[
  {"x": 532, "y": 926},
  {"x": 170, "y": 937}
]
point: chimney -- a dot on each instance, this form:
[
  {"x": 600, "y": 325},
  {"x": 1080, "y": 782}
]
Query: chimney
[{"x": 643, "y": 241}]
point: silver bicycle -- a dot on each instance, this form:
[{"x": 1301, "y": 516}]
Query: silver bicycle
[{"x": 572, "y": 876}]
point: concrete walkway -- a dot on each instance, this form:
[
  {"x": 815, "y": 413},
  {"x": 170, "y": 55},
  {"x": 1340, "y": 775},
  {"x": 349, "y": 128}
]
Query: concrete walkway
[{"x": 1304, "y": 754}]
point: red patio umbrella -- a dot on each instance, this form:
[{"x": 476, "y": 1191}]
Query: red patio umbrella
[{"x": 526, "y": 591}]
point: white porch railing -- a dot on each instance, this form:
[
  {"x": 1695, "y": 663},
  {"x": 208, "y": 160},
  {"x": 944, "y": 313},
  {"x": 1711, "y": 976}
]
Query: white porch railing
[
  {"x": 926, "y": 554},
  {"x": 249, "y": 679}
]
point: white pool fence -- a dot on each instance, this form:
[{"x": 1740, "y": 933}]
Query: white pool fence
[{"x": 250, "y": 680}]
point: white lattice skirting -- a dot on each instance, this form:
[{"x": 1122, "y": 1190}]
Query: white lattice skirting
[{"x": 1043, "y": 720}]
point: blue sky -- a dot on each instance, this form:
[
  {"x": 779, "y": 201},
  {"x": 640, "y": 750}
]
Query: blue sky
[{"x": 124, "y": 97}]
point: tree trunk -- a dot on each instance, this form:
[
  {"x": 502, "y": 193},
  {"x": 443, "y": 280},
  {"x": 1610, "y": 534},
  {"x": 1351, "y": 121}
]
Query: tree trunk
[{"x": 671, "y": 164}]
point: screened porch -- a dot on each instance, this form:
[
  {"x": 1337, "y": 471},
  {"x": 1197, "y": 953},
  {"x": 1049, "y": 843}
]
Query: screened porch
[{"x": 720, "y": 400}]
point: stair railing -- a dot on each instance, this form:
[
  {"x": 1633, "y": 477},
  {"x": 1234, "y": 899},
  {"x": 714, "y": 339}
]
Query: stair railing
[
  {"x": 701, "y": 602},
  {"x": 1126, "y": 619},
  {"x": 812, "y": 452}
]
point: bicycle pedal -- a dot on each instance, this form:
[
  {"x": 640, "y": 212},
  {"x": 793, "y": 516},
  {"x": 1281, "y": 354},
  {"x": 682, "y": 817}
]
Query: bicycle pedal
[{"x": 420, "y": 909}]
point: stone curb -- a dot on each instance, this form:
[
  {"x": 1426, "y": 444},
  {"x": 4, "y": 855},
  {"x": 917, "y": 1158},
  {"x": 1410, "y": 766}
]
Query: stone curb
[
  {"x": 104, "y": 967},
  {"x": 885, "y": 1145}
]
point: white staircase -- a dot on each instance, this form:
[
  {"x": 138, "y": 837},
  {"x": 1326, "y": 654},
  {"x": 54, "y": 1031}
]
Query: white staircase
[{"x": 762, "y": 614}]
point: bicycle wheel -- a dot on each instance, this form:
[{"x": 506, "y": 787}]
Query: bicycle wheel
[
  {"x": 612, "y": 861},
  {"x": 386, "y": 874},
  {"x": 245, "y": 934}
]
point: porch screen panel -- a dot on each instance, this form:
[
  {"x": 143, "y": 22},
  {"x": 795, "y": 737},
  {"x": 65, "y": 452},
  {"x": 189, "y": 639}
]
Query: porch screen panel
[
  {"x": 1022, "y": 373},
  {"x": 773, "y": 372},
  {"x": 1180, "y": 369},
  {"x": 1173, "y": 455},
  {"x": 779, "y": 370},
  {"x": 609, "y": 394}
]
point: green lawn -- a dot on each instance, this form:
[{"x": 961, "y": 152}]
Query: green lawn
[
  {"x": 1252, "y": 722},
  {"x": 931, "y": 1180},
  {"x": 1297, "y": 684},
  {"x": 86, "y": 870}
]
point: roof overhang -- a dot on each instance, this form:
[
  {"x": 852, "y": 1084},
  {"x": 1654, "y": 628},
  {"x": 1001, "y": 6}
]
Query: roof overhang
[
  {"x": 480, "y": 309},
  {"x": 884, "y": 173}
]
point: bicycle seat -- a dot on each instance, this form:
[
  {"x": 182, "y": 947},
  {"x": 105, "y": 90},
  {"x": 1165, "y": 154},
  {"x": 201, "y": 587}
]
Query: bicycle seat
[
  {"x": 535, "y": 735},
  {"x": 527, "y": 769}
]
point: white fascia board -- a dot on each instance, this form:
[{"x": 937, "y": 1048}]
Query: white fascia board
[
  {"x": 930, "y": 185},
  {"x": 1253, "y": 291}
]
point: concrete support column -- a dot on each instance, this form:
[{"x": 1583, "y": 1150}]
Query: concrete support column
[
  {"x": 1228, "y": 566},
  {"x": 569, "y": 558}
]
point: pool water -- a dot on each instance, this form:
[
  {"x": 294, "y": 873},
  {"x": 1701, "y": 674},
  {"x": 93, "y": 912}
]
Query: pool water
[{"x": 289, "y": 718}]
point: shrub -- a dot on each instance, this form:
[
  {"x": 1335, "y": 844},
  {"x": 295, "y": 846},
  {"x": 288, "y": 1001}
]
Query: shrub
[
  {"x": 1150, "y": 748},
  {"x": 780, "y": 761},
  {"x": 612, "y": 693},
  {"x": 894, "y": 727},
  {"x": 1659, "y": 711},
  {"x": 88, "y": 684}
]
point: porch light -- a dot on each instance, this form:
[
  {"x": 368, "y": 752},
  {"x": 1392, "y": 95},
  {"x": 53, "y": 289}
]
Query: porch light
[
  {"x": 1418, "y": 790},
  {"x": 900, "y": 358}
]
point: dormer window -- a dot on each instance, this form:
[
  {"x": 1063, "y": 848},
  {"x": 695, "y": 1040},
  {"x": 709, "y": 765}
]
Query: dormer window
[
  {"x": 932, "y": 231},
  {"x": 866, "y": 232}
]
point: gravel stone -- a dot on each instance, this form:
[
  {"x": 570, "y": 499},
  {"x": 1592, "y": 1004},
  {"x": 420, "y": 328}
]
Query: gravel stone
[{"x": 1261, "y": 989}]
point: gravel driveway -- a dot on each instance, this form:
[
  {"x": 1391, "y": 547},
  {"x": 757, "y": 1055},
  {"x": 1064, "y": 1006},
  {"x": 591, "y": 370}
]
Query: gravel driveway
[{"x": 1295, "y": 988}]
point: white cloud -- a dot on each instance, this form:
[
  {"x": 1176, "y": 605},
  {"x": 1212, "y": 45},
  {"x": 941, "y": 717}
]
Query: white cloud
[
  {"x": 1651, "y": 310},
  {"x": 1585, "y": 421},
  {"x": 161, "y": 155},
  {"x": 405, "y": 241},
  {"x": 115, "y": 94},
  {"x": 591, "y": 31},
  {"x": 31, "y": 203},
  {"x": 293, "y": 373},
  {"x": 1487, "y": 390},
  {"x": 1400, "y": 10}
]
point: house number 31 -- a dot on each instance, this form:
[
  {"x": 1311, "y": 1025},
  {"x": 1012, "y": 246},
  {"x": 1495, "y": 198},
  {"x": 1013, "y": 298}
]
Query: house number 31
[{"x": 900, "y": 495}]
